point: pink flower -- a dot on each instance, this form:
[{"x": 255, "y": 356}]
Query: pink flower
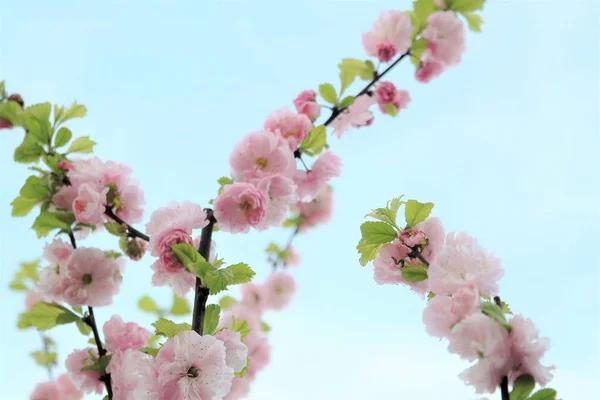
[
  {"x": 86, "y": 381},
  {"x": 244, "y": 312},
  {"x": 91, "y": 278},
  {"x": 316, "y": 212},
  {"x": 428, "y": 69},
  {"x": 310, "y": 184},
  {"x": 44, "y": 390},
  {"x": 479, "y": 338},
  {"x": 60, "y": 389},
  {"x": 51, "y": 283},
  {"x": 169, "y": 226},
  {"x": 527, "y": 350},
  {"x": 355, "y": 116},
  {"x": 306, "y": 103},
  {"x": 65, "y": 165},
  {"x": 281, "y": 193},
  {"x": 433, "y": 229},
  {"x": 89, "y": 204},
  {"x": 463, "y": 261},
  {"x": 4, "y": 124},
  {"x": 261, "y": 154},
  {"x": 30, "y": 299},
  {"x": 443, "y": 312},
  {"x": 127, "y": 369},
  {"x": 57, "y": 251},
  {"x": 279, "y": 289},
  {"x": 64, "y": 197},
  {"x": 445, "y": 34},
  {"x": 135, "y": 248},
  {"x": 236, "y": 352},
  {"x": 253, "y": 296},
  {"x": 239, "y": 207},
  {"x": 121, "y": 336},
  {"x": 386, "y": 93},
  {"x": 387, "y": 267},
  {"x": 259, "y": 352},
  {"x": 412, "y": 237},
  {"x": 239, "y": 388},
  {"x": 290, "y": 126},
  {"x": 192, "y": 367},
  {"x": 389, "y": 35}
]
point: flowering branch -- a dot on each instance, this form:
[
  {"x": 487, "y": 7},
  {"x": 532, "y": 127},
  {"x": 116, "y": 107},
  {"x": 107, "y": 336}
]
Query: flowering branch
[
  {"x": 46, "y": 351},
  {"x": 201, "y": 292},
  {"x": 131, "y": 231},
  {"x": 504, "y": 382}
]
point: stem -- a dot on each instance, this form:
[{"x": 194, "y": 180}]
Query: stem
[
  {"x": 90, "y": 320},
  {"x": 504, "y": 382},
  {"x": 130, "y": 229},
  {"x": 46, "y": 351},
  {"x": 277, "y": 260},
  {"x": 201, "y": 292},
  {"x": 417, "y": 253}
]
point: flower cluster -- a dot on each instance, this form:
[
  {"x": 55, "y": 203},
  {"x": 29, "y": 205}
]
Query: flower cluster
[{"x": 60, "y": 389}]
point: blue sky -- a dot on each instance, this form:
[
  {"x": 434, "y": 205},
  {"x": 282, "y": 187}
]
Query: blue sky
[{"x": 505, "y": 145}]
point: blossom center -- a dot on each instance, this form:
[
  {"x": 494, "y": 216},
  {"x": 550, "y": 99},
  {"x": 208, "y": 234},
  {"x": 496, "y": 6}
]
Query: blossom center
[
  {"x": 261, "y": 163},
  {"x": 245, "y": 206},
  {"x": 193, "y": 372},
  {"x": 289, "y": 134},
  {"x": 86, "y": 279}
]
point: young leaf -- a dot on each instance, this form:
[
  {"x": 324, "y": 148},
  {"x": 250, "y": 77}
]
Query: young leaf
[
  {"x": 82, "y": 145},
  {"x": 474, "y": 20},
  {"x": 391, "y": 109},
  {"x": 327, "y": 92},
  {"x": 11, "y": 111},
  {"x": 265, "y": 327},
  {"x": 44, "y": 359},
  {"x": 186, "y": 253},
  {"x": 216, "y": 280},
  {"x": 226, "y": 302},
  {"x": 544, "y": 394},
  {"x": 151, "y": 351},
  {"x": 363, "y": 69},
  {"x": 416, "y": 212},
  {"x": 466, "y": 6},
  {"x": 44, "y": 316},
  {"x": 62, "y": 115},
  {"x": 35, "y": 188},
  {"x": 416, "y": 50},
  {"x": 383, "y": 214},
  {"x": 414, "y": 274},
  {"x": 146, "y": 303},
  {"x": 224, "y": 181},
  {"x": 377, "y": 232},
  {"x": 200, "y": 268},
  {"x": 346, "y": 79},
  {"x": 240, "y": 326},
  {"x": 367, "y": 251},
  {"x": 241, "y": 273},
  {"x": 83, "y": 327},
  {"x": 36, "y": 120},
  {"x": 18, "y": 285},
  {"x": 211, "y": 319},
  {"x": 522, "y": 387},
  {"x": 47, "y": 221},
  {"x": 180, "y": 306},
  {"x": 22, "y": 206},
  {"x": 495, "y": 313},
  {"x": 116, "y": 229},
  {"x": 170, "y": 329},
  {"x": 347, "y": 101},
  {"x": 28, "y": 151},
  {"x": 316, "y": 140},
  {"x": 63, "y": 136}
]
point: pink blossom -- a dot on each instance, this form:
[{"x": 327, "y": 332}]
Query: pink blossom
[
  {"x": 30, "y": 299},
  {"x": 4, "y": 124},
  {"x": 355, "y": 116},
  {"x": 239, "y": 207},
  {"x": 44, "y": 390},
  {"x": 259, "y": 352},
  {"x": 389, "y": 35},
  {"x": 64, "y": 197},
  {"x": 281, "y": 193},
  {"x": 51, "y": 283},
  {"x": 412, "y": 237},
  {"x": 86, "y": 381},
  {"x": 177, "y": 215},
  {"x": 121, "y": 336},
  {"x": 60, "y": 389},
  {"x": 478, "y": 337},
  {"x": 127, "y": 369},
  {"x": 254, "y": 296},
  {"x": 443, "y": 312},
  {"x": 428, "y": 69},
  {"x": 91, "y": 278},
  {"x": 288, "y": 125},
  {"x": 387, "y": 93},
  {"x": 279, "y": 289},
  {"x": 89, "y": 204},
  {"x": 259, "y": 154},
  {"x": 445, "y": 35},
  {"x": 65, "y": 165},
  {"x": 311, "y": 183},
  {"x": 236, "y": 355},
  {"x": 387, "y": 267},
  {"x": 433, "y": 228},
  {"x": 135, "y": 248},
  {"x": 243, "y": 312},
  {"x": 239, "y": 388},
  {"x": 318, "y": 211},
  {"x": 306, "y": 103},
  {"x": 192, "y": 367},
  {"x": 57, "y": 251},
  {"x": 463, "y": 261},
  {"x": 527, "y": 350}
]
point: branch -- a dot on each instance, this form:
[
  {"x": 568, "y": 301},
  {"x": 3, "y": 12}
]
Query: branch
[
  {"x": 46, "y": 351},
  {"x": 504, "y": 381},
  {"x": 276, "y": 261},
  {"x": 90, "y": 320},
  {"x": 132, "y": 232},
  {"x": 201, "y": 293}
]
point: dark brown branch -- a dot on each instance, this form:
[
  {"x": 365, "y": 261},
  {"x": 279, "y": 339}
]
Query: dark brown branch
[
  {"x": 131, "y": 231},
  {"x": 504, "y": 382},
  {"x": 201, "y": 292}
]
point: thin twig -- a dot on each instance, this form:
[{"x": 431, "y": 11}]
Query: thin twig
[
  {"x": 201, "y": 293},
  {"x": 504, "y": 382},
  {"x": 131, "y": 231}
]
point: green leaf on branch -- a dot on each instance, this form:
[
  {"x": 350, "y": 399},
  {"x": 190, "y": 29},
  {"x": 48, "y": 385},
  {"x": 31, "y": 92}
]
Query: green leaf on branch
[
  {"x": 416, "y": 50},
  {"x": 316, "y": 140},
  {"x": 376, "y": 232},
  {"x": 44, "y": 359},
  {"x": 224, "y": 181},
  {"x": 169, "y": 329},
  {"x": 36, "y": 122},
  {"x": 522, "y": 387},
  {"x": 346, "y": 79},
  {"x": 62, "y": 114},
  {"x": 83, "y": 328},
  {"x": 200, "y": 268},
  {"x": 328, "y": 93},
  {"x": 146, "y": 303},
  {"x": 391, "y": 109},
  {"x": 82, "y": 145},
  {"x": 365, "y": 70},
  {"x": 422, "y": 9},
  {"x": 466, "y": 6},
  {"x": 389, "y": 213},
  {"x": 29, "y": 150},
  {"x": 414, "y": 274},
  {"x": 216, "y": 280},
  {"x": 367, "y": 251},
  {"x": 180, "y": 306},
  {"x": 495, "y": 313},
  {"x": 18, "y": 285},
  {"x": 416, "y": 212},
  {"x": 211, "y": 319},
  {"x": 240, "y": 326},
  {"x": 347, "y": 101},
  {"x": 48, "y": 221},
  {"x": 544, "y": 394},
  {"x": 28, "y": 270},
  {"x": 44, "y": 316},
  {"x": 12, "y": 112},
  {"x": 266, "y": 328},
  {"x": 474, "y": 21},
  {"x": 34, "y": 191},
  {"x": 116, "y": 229},
  {"x": 187, "y": 254},
  {"x": 241, "y": 273},
  {"x": 243, "y": 371},
  {"x": 226, "y": 302},
  {"x": 430, "y": 296},
  {"x": 22, "y": 206},
  {"x": 99, "y": 365},
  {"x": 63, "y": 136},
  {"x": 151, "y": 351}
]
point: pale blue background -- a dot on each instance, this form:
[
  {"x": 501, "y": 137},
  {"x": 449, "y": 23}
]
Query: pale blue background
[{"x": 506, "y": 145}]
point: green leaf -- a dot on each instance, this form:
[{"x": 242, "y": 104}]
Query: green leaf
[
  {"x": 240, "y": 326},
  {"x": 187, "y": 254},
  {"x": 224, "y": 181},
  {"x": 506, "y": 309},
  {"x": 414, "y": 274},
  {"x": 200, "y": 268},
  {"x": 146, "y": 303},
  {"x": 544, "y": 394},
  {"x": 11, "y": 111},
  {"x": 466, "y": 5},
  {"x": 35, "y": 188},
  {"x": 423, "y": 8},
  {"x": 112, "y": 254},
  {"x": 151, "y": 351},
  {"x": 226, "y": 302},
  {"x": 347, "y": 101},
  {"x": 116, "y": 229},
  {"x": 28, "y": 270},
  {"x": 265, "y": 327},
  {"x": 474, "y": 20},
  {"x": 367, "y": 251},
  {"x": 243, "y": 371},
  {"x": 98, "y": 365},
  {"x": 62, "y": 115},
  {"x": 327, "y": 92},
  {"x": 211, "y": 319},
  {"x": 44, "y": 359},
  {"x": 47, "y": 221},
  {"x": 216, "y": 280},
  {"x": 522, "y": 387},
  {"x": 416, "y": 50},
  {"x": 18, "y": 285},
  {"x": 391, "y": 109},
  {"x": 363, "y": 69},
  {"x": 44, "y": 316},
  {"x": 82, "y": 145},
  {"x": 83, "y": 328},
  {"x": 383, "y": 214},
  {"x": 272, "y": 248},
  {"x": 416, "y": 212},
  {"x": 430, "y": 296},
  {"x": 316, "y": 140},
  {"x": 170, "y": 329},
  {"x": 241, "y": 273},
  {"x": 28, "y": 151},
  {"x": 22, "y": 206},
  {"x": 346, "y": 79},
  {"x": 378, "y": 232},
  {"x": 62, "y": 137},
  {"x": 180, "y": 306},
  {"x": 495, "y": 313},
  {"x": 36, "y": 120}
]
